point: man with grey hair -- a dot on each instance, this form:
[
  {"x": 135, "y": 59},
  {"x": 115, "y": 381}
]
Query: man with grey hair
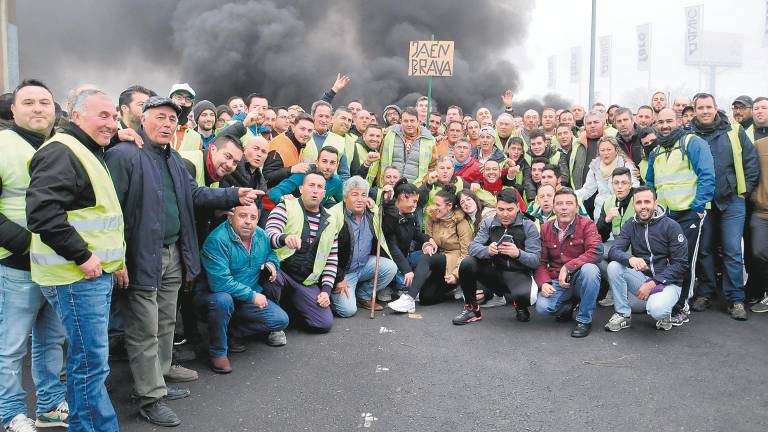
[
  {"x": 77, "y": 251},
  {"x": 505, "y": 128},
  {"x": 324, "y": 137},
  {"x": 357, "y": 253},
  {"x": 679, "y": 105}
]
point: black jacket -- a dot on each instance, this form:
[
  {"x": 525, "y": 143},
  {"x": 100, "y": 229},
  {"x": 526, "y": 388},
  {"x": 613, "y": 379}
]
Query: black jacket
[
  {"x": 660, "y": 243},
  {"x": 138, "y": 179},
  {"x": 632, "y": 147},
  {"x": 274, "y": 169},
  {"x": 401, "y": 231},
  {"x": 356, "y": 166},
  {"x": 14, "y": 237},
  {"x": 59, "y": 183},
  {"x": 717, "y": 137}
]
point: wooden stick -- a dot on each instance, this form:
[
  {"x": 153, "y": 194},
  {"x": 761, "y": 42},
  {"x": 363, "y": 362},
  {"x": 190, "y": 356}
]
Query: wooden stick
[{"x": 376, "y": 268}]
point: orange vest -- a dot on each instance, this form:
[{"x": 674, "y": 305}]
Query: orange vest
[{"x": 285, "y": 148}]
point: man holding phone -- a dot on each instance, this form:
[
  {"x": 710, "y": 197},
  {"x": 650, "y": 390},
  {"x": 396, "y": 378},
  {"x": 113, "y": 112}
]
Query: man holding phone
[
  {"x": 654, "y": 271},
  {"x": 503, "y": 256}
]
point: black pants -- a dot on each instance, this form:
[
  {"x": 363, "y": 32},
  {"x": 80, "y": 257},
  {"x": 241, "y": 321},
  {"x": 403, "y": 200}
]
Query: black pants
[
  {"x": 429, "y": 280},
  {"x": 758, "y": 252},
  {"x": 691, "y": 224},
  {"x": 516, "y": 285}
]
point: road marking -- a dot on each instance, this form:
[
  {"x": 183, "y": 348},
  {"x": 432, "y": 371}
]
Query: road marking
[
  {"x": 380, "y": 368},
  {"x": 366, "y": 420},
  {"x": 385, "y": 330}
]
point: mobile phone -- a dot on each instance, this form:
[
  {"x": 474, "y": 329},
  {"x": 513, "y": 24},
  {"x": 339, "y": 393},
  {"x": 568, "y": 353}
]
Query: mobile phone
[{"x": 506, "y": 238}]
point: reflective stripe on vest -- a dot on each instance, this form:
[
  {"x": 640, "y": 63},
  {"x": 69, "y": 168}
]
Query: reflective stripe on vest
[
  {"x": 100, "y": 226},
  {"x": 738, "y": 163},
  {"x": 294, "y": 226},
  {"x": 14, "y": 174},
  {"x": 750, "y": 131},
  {"x": 195, "y": 157},
  {"x": 673, "y": 176},
  {"x": 618, "y": 222}
]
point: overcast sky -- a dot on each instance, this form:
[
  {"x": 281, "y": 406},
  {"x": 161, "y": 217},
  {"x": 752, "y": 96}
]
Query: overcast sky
[{"x": 559, "y": 25}]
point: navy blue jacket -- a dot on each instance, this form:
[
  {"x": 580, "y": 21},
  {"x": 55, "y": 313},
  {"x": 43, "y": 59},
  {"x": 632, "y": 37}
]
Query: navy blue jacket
[
  {"x": 138, "y": 179},
  {"x": 660, "y": 243},
  {"x": 720, "y": 146}
]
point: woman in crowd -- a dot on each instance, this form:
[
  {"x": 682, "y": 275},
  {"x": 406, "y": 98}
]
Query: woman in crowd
[
  {"x": 610, "y": 156},
  {"x": 402, "y": 232},
  {"x": 437, "y": 271}
]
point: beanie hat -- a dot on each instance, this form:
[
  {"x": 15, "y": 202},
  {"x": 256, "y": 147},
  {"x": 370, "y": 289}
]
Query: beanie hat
[{"x": 201, "y": 106}]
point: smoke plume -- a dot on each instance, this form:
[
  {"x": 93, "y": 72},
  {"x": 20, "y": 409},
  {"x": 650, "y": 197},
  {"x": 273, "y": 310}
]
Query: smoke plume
[{"x": 289, "y": 50}]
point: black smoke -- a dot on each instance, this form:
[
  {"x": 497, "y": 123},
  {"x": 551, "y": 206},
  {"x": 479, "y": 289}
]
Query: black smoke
[{"x": 289, "y": 50}]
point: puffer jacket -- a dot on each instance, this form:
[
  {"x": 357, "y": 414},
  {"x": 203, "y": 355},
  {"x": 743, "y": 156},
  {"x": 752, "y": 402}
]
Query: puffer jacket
[{"x": 452, "y": 234}]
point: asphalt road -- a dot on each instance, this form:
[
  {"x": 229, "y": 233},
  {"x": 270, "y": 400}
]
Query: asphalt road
[{"x": 408, "y": 374}]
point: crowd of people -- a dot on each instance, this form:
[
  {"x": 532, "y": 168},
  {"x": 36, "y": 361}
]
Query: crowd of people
[{"x": 118, "y": 215}]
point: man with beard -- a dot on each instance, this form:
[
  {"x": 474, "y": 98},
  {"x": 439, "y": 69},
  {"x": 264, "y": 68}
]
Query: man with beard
[
  {"x": 655, "y": 267},
  {"x": 742, "y": 113},
  {"x": 391, "y": 115},
  {"x": 627, "y": 135},
  {"x": 647, "y": 137},
  {"x": 204, "y": 114},
  {"x": 287, "y": 153},
  {"x": 131, "y": 102},
  {"x": 325, "y": 165},
  {"x": 658, "y": 101},
  {"x": 644, "y": 116},
  {"x": 737, "y": 175},
  {"x": 682, "y": 172},
  {"x": 366, "y": 154}
]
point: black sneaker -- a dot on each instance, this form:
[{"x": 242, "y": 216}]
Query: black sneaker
[
  {"x": 701, "y": 304},
  {"x": 470, "y": 314},
  {"x": 160, "y": 414},
  {"x": 581, "y": 330},
  {"x": 523, "y": 314},
  {"x": 737, "y": 311}
]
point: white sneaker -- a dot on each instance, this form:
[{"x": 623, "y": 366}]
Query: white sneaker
[
  {"x": 665, "y": 324},
  {"x": 405, "y": 304},
  {"x": 618, "y": 322},
  {"x": 22, "y": 423}
]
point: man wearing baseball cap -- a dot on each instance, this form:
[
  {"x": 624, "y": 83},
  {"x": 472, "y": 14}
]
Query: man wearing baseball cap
[
  {"x": 742, "y": 113},
  {"x": 158, "y": 197},
  {"x": 185, "y": 137}
]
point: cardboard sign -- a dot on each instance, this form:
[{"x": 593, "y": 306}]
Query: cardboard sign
[{"x": 430, "y": 58}]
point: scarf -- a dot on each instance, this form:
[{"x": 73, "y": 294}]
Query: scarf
[
  {"x": 607, "y": 170},
  {"x": 669, "y": 140},
  {"x": 459, "y": 165},
  {"x": 210, "y": 168}
]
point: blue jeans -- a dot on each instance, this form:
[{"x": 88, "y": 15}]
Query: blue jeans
[
  {"x": 585, "y": 284},
  {"x": 360, "y": 285},
  {"x": 413, "y": 259},
  {"x": 84, "y": 309},
  {"x": 625, "y": 280},
  {"x": 23, "y": 309},
  {"x": 241, "y": 319},
  {"x": 727, "y": 226}
]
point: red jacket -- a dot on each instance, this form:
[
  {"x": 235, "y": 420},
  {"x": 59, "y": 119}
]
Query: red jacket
[
  {"x": 470, "y": 172},
  {"x": 582, "y": 245}
]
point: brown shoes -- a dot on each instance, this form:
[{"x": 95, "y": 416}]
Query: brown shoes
[
  {"x": 221, "y": 365},
  {"x": 366, "y": 304}
]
